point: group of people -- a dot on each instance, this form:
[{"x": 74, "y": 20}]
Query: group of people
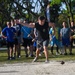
[{"x": 39, "y": 34}]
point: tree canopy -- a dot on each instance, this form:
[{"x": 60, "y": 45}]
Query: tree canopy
[{"x": 31, "y": 9}]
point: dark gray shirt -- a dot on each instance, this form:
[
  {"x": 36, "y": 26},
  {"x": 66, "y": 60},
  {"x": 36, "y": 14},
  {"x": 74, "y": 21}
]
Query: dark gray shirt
[{"x": 65, "y": 32}]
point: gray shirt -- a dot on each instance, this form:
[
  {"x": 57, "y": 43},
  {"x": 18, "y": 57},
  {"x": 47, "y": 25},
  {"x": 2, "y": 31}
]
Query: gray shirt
[{"x": 65, "y": 32}]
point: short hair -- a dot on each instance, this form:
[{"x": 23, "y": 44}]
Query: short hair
[{"x": 41, "y": 18}]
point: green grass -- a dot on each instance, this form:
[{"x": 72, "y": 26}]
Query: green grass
[{"x": 3, "y": 57}]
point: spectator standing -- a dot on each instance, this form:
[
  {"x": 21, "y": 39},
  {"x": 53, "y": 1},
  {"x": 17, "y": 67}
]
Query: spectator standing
[
  {"x": 18, "y": 38},
  {"x": 53, "y": 40},
  {"x": 27, "y": 40},
  {"x": 8, "y": 33},
  {"x": 65, "y": 34},
  {"x": 72, "y": 27}
]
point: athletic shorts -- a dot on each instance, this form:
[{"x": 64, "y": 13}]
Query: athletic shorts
[
  {"x": 10, "y": 44},
  {"x": 27, "y": 42},
  {"x": 17, "y": 40},
  {"x": 56, "y": 42},
  {"x": 41, "y": 43},
  {"x": 66, "y": 41}
]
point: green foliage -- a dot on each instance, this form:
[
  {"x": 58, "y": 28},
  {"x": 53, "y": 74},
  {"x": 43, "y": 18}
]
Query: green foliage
[
  {"x": 55, "y": 2},
  {"x": 29, "y": 9},
  {"x": 62, "y": 17}
]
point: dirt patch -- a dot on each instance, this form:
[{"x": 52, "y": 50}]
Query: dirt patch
[{"x": 39, "y": 68}]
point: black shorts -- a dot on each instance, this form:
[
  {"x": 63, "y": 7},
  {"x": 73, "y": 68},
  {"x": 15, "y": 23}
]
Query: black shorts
[
  {"x": 15, "y": 41},
  {"x": 27, "y": 42},
  {"x": 10, "y": 44}
]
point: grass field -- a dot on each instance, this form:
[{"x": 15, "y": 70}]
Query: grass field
[{"x": 3, "y": 57}]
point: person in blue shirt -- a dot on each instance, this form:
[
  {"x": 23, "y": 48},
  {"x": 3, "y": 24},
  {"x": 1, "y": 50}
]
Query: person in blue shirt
[
  {"x": 53, "y": 40},
  {"x": 27, "y": 40},
  {"x": 8, "y": 33}
]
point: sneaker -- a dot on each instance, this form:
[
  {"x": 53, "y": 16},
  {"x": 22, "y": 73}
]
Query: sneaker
[
  {"x": 71, "y": 53},
  {"x": 9, "y": 58},
  {"x": 65, "y": 53},
  {"x": 26, "y": 55},
  {"x": 31, "y": 55},
  {"x": 18, "y": 56},
  {"x": 46, "y": 61},
  {"x": 40, "y": 54},
  {"x": 35, "y": 59},
  {"x": 57, "y": 53},
  {"x": 13, "y": 57}
]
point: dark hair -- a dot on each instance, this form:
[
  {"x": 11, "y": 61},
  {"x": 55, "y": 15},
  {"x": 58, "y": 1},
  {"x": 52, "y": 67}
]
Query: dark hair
[{"x": 41, "y": 18}]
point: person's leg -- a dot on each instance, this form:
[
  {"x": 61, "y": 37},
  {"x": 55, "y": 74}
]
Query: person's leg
[
  {"x": 57, "y": 50},
  {"x": 37, "y": 55},
  {"x": 70, "y": 49},
  {"x": 57, "y": 46},
  {"x": 64, "y": 42},
  {"x": 30, "y": 44},
  {"x": 52, "y": 50},
  {"x": 11, "y": 52},
  {"x": 71, "y": 43},
  {"x": 69, "y": 46},
  {"x": 37, "y": 52},
  {"x": 26, "y": 51},
  {"x": 9, "y": 45},
  {"x": 19, "y": 46},
  {"x": 31, "y": 51},
  {"x": 61, "y": 48},
  {"x": 52, "y": 46},
  {"x": 45, "y": 44},
  {"x": 19, "y": 50},
  {"x": 65, "y": 50},
  {"x": 46, "y": 52},
  {"x": 8, "y": 50},
  {"x": 39, "y": 44},
  {"x": 15, "y": 50},
  {"x": 25, "y": 43}
]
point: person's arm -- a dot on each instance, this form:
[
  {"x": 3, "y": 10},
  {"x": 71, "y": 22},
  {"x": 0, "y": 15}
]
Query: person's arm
[
  {"x": 31, "y": 25},
  {"x": 3, "y": 32}
]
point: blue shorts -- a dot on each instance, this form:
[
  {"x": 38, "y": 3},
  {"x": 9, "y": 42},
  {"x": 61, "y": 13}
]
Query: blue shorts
[
  {"x": 56, "y": 42},
  {"x": 34, "y": 44},
  {"x": 66, "y": 41}
]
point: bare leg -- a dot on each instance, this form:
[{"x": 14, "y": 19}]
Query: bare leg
[
  {"x": 46, "y": 52},
  {"x": 26, "y": 51},
  {"x": 70, "y": 49},
  {"x": 65, "y": 50}
]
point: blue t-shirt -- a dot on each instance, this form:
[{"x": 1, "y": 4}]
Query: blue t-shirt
[
  {"x": 51, "y": 31},
  {"x": 26, "y": 31},
  {"x": 9, "y": 33}
]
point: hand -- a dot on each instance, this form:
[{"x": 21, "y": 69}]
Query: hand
[
  {"x": 28, "y": 35},
  {"x": 33, "y": 40}
]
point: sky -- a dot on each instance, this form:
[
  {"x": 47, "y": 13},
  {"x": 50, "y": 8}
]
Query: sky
[{"x": 37, "y": 8}]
